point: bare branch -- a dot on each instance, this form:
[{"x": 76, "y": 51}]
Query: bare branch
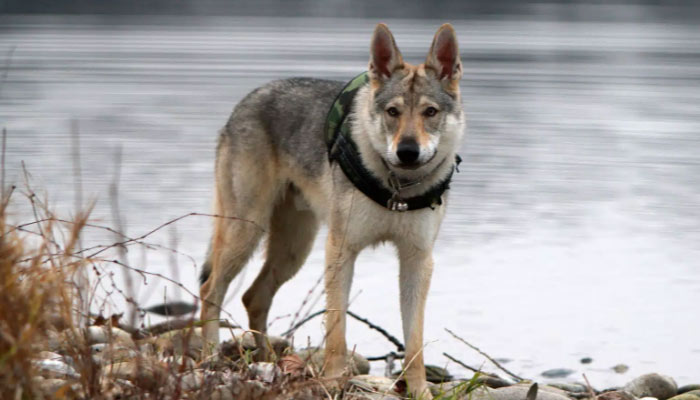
[{"x": 496, "y": 363}]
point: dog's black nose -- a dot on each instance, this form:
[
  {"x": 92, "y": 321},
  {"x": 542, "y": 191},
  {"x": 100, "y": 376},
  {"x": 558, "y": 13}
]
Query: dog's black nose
[{"x": 408, "y": 151}]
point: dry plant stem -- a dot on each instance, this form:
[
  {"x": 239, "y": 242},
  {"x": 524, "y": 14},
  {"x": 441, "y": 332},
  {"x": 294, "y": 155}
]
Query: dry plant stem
[
  {"x": 496, "y": 363},
  {"x": 172, "y": 221},
  {"x": 292, "y": 326},
  {"x": 144, "y": 273},
  {"x": 463, "y": 364},
  {"x": 591, "y": 392},
  {"x": 83, "y": 278},
  {"x": 392, "y": 339},
  {"x": 2, "y": 165},
  {"x": 118, "y": 223}
]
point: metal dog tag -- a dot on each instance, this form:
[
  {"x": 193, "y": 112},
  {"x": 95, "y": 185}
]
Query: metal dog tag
[{"x": 395, "y": 203}]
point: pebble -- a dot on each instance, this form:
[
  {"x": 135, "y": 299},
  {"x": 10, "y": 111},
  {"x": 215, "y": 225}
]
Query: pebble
[
  {"x": 688, "y": 388},
  {"x": 371, "y": 383},
  {"x": 175, "y": 362},
  {"x": 586, "y": 360},
  {"x": 187, "y": 341},
  {"x": 557, "y": 373},
  {"x": 315, "y": 357},
  {"x": 652, "y": 385},
  {"x": 222, "y": 392},
  {"x": 104, "y": 353},
  {"x": 247, "y": 341},
  {"x": 691, "y": 395},
  {"x": 146, "y": 373},
  {"x": 192, "y": 380},
  {"x": 264, "y": 371},
  {"x": 103, "y": 334},
  {"x": 50, "y": 386},
  {"x": 55, "y": 368},
  {"x": 570, "y": 387},
  {"x": 433, "y": 374},
  {"x": 621, "y": 368},
  {"x": 518, "y": 391},
  {"x": 615, "y": 395}
]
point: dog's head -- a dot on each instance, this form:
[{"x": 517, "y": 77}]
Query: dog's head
[{"x": 416, "y": 112}]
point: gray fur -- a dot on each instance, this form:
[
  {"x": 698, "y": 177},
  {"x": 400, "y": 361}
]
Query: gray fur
[{"x": 292, "y": 115}]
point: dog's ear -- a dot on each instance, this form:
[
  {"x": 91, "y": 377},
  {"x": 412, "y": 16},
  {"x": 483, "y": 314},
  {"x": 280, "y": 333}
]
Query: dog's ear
[
  {"x": 385, "y": 57},
  {"x": 443, "y": 56}
]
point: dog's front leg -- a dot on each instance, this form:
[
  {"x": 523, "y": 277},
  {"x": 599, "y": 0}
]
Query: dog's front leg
[
  {"x": 340, "y": 260},
  {"x": 414, "y": 279}
]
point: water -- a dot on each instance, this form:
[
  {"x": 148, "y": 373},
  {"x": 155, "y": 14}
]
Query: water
[{"x": 573, "y": 227}]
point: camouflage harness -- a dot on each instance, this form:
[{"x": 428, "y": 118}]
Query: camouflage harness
[{"x": 343, "y": 150}]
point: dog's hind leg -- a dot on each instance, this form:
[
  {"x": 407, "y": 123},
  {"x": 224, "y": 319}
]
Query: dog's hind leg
[
  {"x": 292, "y": 233},
  {"x": 245, "y": 193}
]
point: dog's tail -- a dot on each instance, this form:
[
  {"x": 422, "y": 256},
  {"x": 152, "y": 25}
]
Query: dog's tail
[
  {"x": 206, "y": 268},
  {"x": 206, "y": 271}
]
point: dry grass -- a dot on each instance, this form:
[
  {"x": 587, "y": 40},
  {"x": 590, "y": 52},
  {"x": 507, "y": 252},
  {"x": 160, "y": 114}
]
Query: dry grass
[{"x": 37, "y": 295}]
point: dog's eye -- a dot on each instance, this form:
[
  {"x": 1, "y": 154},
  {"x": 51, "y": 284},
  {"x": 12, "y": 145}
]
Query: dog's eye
[
  {"x": 430, "y": 112},
  {"x": 392, "y": 111}
]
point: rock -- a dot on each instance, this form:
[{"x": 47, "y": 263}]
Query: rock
[
  {"x": 173, "y": 308},
  {"x": 49, "y": 387},
  {"x": 621, "y": 368},
  {"x": 314, "y": 356},
  {"x": 688, "y": 388},
  {"x": 369, "y": 383},
  {"x": 493, "y": 382},
  {"x": 144, "y": 372},
  {"x": 192, "y": 380},
  {"x": 54, "y": 341},
  {"x": 437, "y": 374},
  {"x": 648, "y": 398},
  {"x": 264, "y": 371},
  {"x": 222, "y": 392},
  {"x": 557, "y": 373},
  {"x": 175, "y": 362},
  {"x": 691, "y": 395},
  {"x": 105, "y": 353},
  {"x": 49, "y": 355},
  {"x": 248, "y": 390},
  {"x": 55, "y": 368},
  {"x": 586, "y": 360},
  {"x": 615, "y": 395},
  {"x": 652, "y": 385},
  {"x": 433, "y": 374},
  {"x": 518, "y": 391},
  {"x": 247, "y": 341},
  {"x": 103, "y": 334},
  {"x": 186, "y": 341},
  {"x": 570, "y": 387}
]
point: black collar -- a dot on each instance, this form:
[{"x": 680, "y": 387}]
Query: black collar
[{"x": 343, "y": 150}]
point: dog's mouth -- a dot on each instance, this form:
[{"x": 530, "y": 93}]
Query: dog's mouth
[{"x": 412, "y": 166}]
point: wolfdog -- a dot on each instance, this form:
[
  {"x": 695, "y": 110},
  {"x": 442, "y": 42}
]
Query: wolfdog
[{"x": 373, "y": 158}]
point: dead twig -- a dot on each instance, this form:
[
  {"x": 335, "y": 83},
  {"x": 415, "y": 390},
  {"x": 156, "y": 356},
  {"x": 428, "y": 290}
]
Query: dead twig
[
  {"x": 399, "y": 346},
  {"x": 392, "y": 339},
  {"x": 496, "y": 363},
  {"x": 591, "y": 392},
  {"x": 463, "y": 364}
]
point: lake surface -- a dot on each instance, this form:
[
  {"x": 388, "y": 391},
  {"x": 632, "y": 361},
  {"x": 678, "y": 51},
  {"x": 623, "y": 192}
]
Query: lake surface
[{"x": 574, "y": 224}]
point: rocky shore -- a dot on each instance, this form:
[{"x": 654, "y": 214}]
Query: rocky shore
[{"x": 110, "y": 363}]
